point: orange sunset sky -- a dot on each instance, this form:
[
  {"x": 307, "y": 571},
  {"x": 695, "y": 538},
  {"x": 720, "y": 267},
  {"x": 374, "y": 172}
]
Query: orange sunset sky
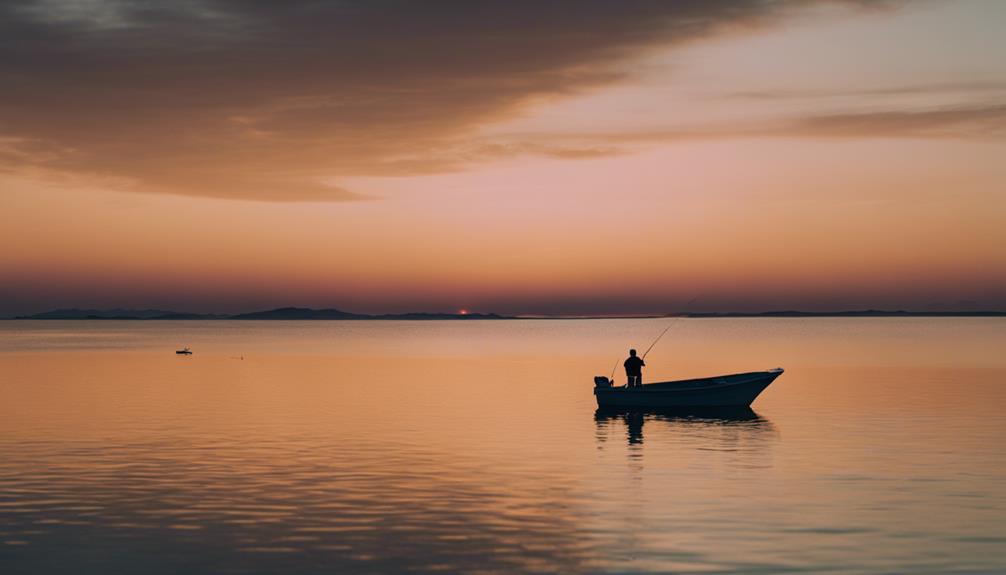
[{"x": 516, "y": 157}]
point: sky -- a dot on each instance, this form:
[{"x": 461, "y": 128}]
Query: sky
[{"x": 591, "y": 157}]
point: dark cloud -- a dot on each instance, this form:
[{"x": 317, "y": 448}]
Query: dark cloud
[{"x": 268, "y": 100}]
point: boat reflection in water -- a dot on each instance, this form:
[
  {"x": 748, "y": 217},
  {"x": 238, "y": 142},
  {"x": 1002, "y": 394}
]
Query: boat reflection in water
[{"x": 709, "y": 428}]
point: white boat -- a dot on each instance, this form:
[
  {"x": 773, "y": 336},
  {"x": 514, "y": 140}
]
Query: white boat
[{"x": 734, "y": 390}]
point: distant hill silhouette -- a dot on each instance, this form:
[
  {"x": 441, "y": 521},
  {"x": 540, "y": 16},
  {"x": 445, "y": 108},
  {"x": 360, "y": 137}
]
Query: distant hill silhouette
[
  {"x": 178, "y": 315},
  {"x": 283, "y": 313},
  {"x": 99, "y": 314},
  {"x": 299, "y": 313}
]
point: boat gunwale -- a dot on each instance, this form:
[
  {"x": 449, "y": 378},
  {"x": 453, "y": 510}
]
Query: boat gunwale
[{"x": 673, "y": 386}]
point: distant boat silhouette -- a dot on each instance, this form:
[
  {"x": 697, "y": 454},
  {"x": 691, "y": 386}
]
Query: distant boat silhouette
[
  {"x": 735, "y": 390},
  {"x": 184, "y": 351}
]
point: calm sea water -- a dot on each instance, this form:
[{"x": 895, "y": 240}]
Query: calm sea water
[{"x": 311, "y": 447}]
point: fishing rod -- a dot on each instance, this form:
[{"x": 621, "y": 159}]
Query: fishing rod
[
  {"x": 613, "y": 368},
  {"x": 669, "y": 326},
  {"x": 666, "y": 329}
]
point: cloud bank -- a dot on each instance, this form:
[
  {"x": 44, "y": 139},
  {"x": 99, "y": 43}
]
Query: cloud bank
[{"x": 271, "y": 100}]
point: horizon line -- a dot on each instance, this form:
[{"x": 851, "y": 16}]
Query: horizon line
[{"x": 334, "y": 314}]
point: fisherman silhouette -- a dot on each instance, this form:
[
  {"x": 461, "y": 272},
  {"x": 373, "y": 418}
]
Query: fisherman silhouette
[{"x": 634, "y": 370}]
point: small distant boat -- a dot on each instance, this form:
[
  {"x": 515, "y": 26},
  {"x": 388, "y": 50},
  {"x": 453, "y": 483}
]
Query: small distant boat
[
  {"x": 735, "y": 390},
  {"x": 183, "y": 351}
]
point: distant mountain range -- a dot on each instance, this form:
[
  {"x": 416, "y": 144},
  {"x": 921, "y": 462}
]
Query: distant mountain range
[
  {"x": 75, "y": 313},
  {"x": 283, "y": 313},
  {"x": 303, "y": 313}
]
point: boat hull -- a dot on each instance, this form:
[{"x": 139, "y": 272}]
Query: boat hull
[{"x": 735, "y": 390}]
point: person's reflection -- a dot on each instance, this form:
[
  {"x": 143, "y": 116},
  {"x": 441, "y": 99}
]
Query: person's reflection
[{"x": 634, "y": 425}]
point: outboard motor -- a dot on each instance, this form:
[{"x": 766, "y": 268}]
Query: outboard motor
[{"x": 601, "y": 381}]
